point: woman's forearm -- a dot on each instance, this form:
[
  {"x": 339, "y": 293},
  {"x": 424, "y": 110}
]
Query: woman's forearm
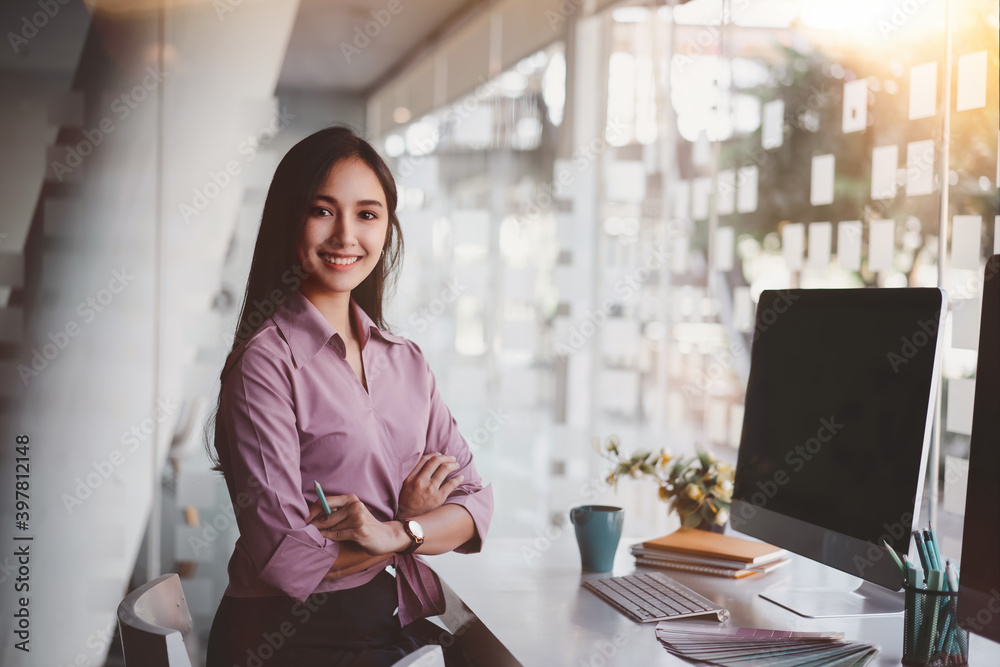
[
  {"x": 352, "y": 559},
  {"x": 445, "y": 528}
]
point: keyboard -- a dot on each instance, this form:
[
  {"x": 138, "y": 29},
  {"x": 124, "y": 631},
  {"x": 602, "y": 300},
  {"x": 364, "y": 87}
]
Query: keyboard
[{"x": 653, "y": 596}]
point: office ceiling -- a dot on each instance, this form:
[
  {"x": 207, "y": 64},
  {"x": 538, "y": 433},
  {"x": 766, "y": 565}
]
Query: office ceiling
[{"x": 315, "y": 58}]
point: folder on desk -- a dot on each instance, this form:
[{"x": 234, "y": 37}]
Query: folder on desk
[{"x": 715, "y": 547}]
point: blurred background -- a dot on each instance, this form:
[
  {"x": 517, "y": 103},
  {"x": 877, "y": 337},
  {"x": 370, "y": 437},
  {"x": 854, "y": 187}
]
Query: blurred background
[{"x": 593, "y": 194}]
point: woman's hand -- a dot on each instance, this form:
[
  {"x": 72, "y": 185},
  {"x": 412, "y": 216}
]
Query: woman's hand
[
  {"x": 351, "y": 520},
  {"x": 425, "y": 488}
]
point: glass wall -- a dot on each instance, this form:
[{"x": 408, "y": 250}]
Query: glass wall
[{"x": 588, "y": 232}]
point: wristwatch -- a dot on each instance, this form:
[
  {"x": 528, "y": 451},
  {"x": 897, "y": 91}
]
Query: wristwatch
[{"x": 416, "y": 534}]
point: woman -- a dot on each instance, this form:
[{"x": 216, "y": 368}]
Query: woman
[{"x": 315, "y": 388}]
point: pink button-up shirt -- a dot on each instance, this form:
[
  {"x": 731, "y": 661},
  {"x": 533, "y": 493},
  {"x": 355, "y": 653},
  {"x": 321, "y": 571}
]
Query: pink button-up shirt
[{"x": 293, "y": 411}]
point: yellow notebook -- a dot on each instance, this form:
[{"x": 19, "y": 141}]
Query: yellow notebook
[{"x": 706, "y": 544}]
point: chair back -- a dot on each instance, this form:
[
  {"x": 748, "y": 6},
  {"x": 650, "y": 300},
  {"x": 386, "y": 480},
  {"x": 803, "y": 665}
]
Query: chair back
[{"x": 153, "y": 621}]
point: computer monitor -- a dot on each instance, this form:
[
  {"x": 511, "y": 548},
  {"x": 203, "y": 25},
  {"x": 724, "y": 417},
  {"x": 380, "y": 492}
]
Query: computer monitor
[
  {"x": 979, "y": 579},
  {"x": 836, "y": 430}
]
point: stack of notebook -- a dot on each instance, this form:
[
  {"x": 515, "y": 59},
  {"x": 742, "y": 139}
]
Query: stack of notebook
[
  {"x": 709, "y": 553},
  {"x": 732, "y": 646}
]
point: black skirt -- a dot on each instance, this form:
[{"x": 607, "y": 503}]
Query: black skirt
[{"x": 355, "y": 626}]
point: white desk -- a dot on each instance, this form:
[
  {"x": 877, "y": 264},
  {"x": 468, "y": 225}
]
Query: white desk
[{"x": 540, "y": 612}]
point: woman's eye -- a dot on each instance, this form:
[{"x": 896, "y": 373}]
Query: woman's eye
[
  {"x": 320, "y": 211},
  {"x": 367, "y": 215}
]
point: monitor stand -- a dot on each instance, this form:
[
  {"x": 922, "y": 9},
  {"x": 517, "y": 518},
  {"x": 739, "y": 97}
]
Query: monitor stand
[{"x": 865, "y": 600}]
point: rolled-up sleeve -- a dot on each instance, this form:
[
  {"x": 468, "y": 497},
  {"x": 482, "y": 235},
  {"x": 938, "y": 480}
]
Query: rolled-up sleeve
[
  {"x": 257, "y": 408},
  {"x": 443, "y": 436}
]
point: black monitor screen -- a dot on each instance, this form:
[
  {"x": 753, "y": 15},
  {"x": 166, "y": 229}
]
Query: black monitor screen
[
  {"x": 979, "y": 589},
  {"x": 836, "y": 411}
]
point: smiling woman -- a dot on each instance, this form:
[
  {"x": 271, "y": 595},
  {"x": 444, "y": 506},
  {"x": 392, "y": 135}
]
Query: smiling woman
[{"x": 308, "y": 585}]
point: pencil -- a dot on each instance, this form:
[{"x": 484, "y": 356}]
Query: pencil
[{"x": 322, "y": 497}]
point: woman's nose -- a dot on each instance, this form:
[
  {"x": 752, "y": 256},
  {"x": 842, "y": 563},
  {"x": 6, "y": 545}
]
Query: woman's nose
[{"x": 342, "y": 232}]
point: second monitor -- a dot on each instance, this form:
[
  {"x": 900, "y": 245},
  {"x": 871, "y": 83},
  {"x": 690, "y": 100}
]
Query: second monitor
[{"x": 835, "y": 434}]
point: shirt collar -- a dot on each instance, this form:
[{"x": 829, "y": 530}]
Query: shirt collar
[{"x": 307, "y": 331}]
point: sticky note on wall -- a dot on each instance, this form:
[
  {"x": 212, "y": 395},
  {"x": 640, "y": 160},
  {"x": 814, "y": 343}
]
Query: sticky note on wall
[
  {"x": 885, "y": 161},
  {"x": 920, "y": 167},
  {"x": 723, "y": 249},
  {"x": 746, "y": 189},
  {"x": 821, "y": 185},
  {"x": 956, "y": 483},
  {"x": 701, "y": 189},
  {"x": 742, "y": 309},
  {"x": 726, "y": 192},
  {"x": 849, "y": 245},
  {"x": 793, "y": 244},
  {"x": 971, "y": 81},
  {"x": 881, "y": 245},
  {"x": 961, "y": 397},
  {"x": 855, "y": 116},
  {"x": 965, "y": 236},
  {"x": 965, "y": 320},
  {"x": 625, "y": 181},
  {"x": 820, "y": 238},
  {"x": 773, "y": 124},
  {"x": 923, "y": 90},
  {"x": 682, "y": 200}
]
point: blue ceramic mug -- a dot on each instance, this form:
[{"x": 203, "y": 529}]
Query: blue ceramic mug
[{"x": 598, "y": 529}]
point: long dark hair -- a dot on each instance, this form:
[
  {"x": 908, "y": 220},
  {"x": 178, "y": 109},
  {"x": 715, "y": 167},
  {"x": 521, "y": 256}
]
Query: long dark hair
[{"x": 275, "y": 269}]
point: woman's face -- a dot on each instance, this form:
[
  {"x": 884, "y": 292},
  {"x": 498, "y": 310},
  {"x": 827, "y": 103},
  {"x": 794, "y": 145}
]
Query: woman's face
[{"x": 345, "y": 229}]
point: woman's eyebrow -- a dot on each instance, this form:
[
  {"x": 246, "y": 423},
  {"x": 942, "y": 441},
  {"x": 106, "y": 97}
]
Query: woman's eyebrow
[{"x": 360, "y": 202}]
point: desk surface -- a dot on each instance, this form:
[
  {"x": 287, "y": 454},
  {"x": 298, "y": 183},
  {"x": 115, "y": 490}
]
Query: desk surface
[{"x": 532, "y": 600}]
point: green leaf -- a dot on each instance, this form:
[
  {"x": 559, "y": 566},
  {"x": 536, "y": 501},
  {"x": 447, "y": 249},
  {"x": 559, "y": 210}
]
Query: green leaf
[{"x": 703, "y": 458}]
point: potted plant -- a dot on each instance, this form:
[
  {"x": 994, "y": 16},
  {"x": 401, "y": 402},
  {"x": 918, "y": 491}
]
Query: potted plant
[{"x": 699, "y": 488}]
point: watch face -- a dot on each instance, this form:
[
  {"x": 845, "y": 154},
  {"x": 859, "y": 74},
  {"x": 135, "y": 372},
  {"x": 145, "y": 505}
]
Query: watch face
[{"x": 416, "y": 529}]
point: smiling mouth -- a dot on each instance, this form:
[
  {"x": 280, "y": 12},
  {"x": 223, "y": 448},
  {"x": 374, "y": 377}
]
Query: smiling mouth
[{"x": 338, "y": 261}]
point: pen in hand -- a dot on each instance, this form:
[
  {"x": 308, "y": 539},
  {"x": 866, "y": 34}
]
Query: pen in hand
[{"x": 322, "y": 497}]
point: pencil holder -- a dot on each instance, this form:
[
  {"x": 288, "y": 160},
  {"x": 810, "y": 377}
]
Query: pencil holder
[{"x": 931, "y": 636}]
